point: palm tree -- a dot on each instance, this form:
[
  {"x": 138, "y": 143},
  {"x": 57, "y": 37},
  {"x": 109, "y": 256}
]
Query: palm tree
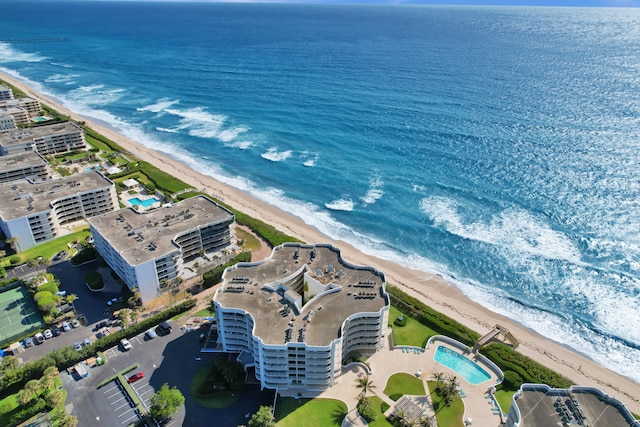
[
  {"x": 438, "y": 377},
  {"x": 33, "y": 387},
  {"x": 135, "y": 315},
  {"x": 69, "y": 299},
  {"x": 45, "y": 262},
  {"x": 365, "y": 385}
]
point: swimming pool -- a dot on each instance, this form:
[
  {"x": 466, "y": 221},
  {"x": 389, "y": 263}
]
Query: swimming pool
[
  {"x": 469, "y": 370},
  {"x": 145, "y": 203}
]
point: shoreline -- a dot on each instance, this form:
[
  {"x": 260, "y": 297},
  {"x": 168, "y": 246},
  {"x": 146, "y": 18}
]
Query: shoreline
[{"x": 429, "y": 288}]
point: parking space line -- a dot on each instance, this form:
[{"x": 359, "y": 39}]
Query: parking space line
[
  {"x": 116, "y": 401},
  {"x": 114, "y": 395},
  {"x": 121, "y": 406},
  {"x": 125, "y": 412},
  {"x": 112, "y": 388},
  {"x": 146, "y": 392},
  {"x": 129, "y": 419}
]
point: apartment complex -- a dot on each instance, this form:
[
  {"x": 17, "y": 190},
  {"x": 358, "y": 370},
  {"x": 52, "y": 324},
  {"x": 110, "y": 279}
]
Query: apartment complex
[
  {"x": 299, "y": 313},
  {"x": 49, "y": 139},
  {"x": 6, "y": 121},
  {"x": 22, "y": 109},
  {"x": 24, "y": 165},
  {"x": 5, "y": 93},
  {"x": 34, "y": 212},
  {"x": 538, "y": 405},
  {"x": 148, "y": 250}
]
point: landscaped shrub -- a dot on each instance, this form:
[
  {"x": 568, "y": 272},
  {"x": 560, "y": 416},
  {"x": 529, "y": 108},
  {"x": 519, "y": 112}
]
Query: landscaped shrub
[
  {"x": 529, "y": 370},
  {"x": 85, "y": 255},
  {"x": 41, "y": 294},
  {"x": 47, "y": 303},
  {"x": 3, "y": 273},
  {"x": 94, "y": 280},
  {"x": 366, "y": 410},
  {"x": 400, "y": 320},
  {"x": 48, "y": 287},
  {"x": 512, "y": 380},
  {"x": 14, "y": 260}
]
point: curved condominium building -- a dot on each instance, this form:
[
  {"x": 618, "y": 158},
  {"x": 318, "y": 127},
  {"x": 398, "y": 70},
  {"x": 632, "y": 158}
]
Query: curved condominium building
[{"x": 299, "y": 313}]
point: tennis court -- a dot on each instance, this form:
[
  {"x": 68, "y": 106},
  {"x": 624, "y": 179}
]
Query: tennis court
[{"x": 18, "y": 314}]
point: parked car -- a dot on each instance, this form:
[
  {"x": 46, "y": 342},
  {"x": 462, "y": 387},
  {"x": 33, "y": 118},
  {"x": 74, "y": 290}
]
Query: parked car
[
  {"x": 77, "y": 346},
  {"x": 86, "y": 342},
  {"x": 66, "y": 326},
  {"x": 75, "y": 323},
  {"x": 101, "y": 325},
  {"x": 151, "y": 334},
  {"x": 165, "y": 327},
  {"x": 56, "y": 330},
  {"x": 28, "y": 343},
  {"x": 103, "y": 332},
  {"x": 59, "y": 255},
  {"x": 47, "y": 334},
  {"x": 135, "y": 377},
  {"x": 39, "y": 338},
  {"x": 126, "y": 345}
]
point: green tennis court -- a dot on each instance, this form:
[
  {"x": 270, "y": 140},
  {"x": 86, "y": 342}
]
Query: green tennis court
[{"x": 18, "y": 314}]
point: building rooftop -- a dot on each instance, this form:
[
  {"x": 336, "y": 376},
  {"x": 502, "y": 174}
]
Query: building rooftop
[
  {"x": 551, "y": 407},
  {"x": 256, "y": 289},
  {"x": 21, "y": 198},
  {"x": 140, "y": 237},
  {"x": 21, "y": 161},
  {"x": 20, "y": 136}
]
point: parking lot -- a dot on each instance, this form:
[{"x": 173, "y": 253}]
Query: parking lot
[{"x": 168, "y": 359}]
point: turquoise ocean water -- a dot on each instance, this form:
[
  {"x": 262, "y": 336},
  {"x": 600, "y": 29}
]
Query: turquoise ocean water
[{"x": 497, "y": 147}]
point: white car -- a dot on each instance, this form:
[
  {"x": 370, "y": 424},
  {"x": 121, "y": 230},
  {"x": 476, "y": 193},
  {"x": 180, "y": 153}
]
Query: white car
[
  {"x": 47, "y": 333},
  {"x": 126, "y": 345},
  {"x": 75, "y": 323},
  {"x": 66, "y": 326}
]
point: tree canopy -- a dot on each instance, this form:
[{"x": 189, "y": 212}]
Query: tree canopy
[
  {"x": 165, "y": 402},
  {"x": 262, "y": 418}
]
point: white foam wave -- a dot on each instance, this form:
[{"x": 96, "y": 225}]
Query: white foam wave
[
  {"x": 9, "y": 54},
  {"x": 374, "y": 192},
  {"x": 60, "y": 64},
  {"x": 230, "y": 134},
  {"x": 343, "y": 204},
  {"x": 417, "y": 188},
  {"x": 96, "y": 94},
  {"x": 167, "y": 130},
  {"x": 513, "y": 228},
  {"x": 199, "y": 122},
  {"x": 159, "y": 106},
  {"x": 310, "y": 160},
  {"x": 61, "y": 78},
  {"x": 276, "y": 156},
  {"x": 243, "y": 145}
]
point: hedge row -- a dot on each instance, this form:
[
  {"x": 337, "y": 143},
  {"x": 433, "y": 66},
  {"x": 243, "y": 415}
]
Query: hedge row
[
  {"x": 95, "y": 135},
  {"x": 65, "y": 357},
  {"x": 433, "y": 319},
  {"x": 268, "y": 232},
  {"x": 531, "y": 371},
  {"x": 211, "y": 278}
]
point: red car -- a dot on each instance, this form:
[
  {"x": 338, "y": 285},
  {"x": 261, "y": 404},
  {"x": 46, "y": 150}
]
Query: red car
[{"x": 135, "y": 377}]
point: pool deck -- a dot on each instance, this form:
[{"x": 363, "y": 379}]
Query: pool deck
[{"x": 388, "y": 361}]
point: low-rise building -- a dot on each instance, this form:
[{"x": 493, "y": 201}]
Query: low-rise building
[
  {"x": 5, "y": 93},
  {"x": 30, "y": 105},
  {"x": 49, "y": 139},
  {"x": 24, "y": 165},
  {"x": 148, "y": 250},
  {"x": 6, "y": 121},
  {"x": 538, "y": 405},
  {"x": 34, "y": 212},
  {"x": 299, "y": 313},
  {"x": 19, "y": 115}
]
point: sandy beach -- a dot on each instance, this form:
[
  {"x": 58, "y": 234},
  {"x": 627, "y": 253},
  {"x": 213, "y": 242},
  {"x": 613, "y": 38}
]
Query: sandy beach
[{"x": 431, "y": 289}]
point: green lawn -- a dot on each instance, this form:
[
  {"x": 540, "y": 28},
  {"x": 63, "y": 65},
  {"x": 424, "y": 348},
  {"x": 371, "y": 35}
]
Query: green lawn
[
  {"x": 413, "y": 333},
  {"x": 205, "y": 312},
  {"x": 219, "y": 400},
  {"x": 504, "y": 398},
  {"x": 400, "y": 384},
  {"x": 381, "y": 420},
  {"x": 50, "y": 248},
  {"x": 309, "y": 412},
  {"x": 446, "y": 416},
  {"x": 251, "y": 243}
]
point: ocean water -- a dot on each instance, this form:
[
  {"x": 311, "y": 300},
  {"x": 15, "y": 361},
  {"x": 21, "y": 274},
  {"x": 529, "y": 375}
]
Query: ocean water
[{"x": 495, "y": 146}]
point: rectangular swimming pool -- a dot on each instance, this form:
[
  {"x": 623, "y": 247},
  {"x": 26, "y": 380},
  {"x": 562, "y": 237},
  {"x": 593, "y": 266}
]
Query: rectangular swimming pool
[{"x": 145, "y": 203}]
